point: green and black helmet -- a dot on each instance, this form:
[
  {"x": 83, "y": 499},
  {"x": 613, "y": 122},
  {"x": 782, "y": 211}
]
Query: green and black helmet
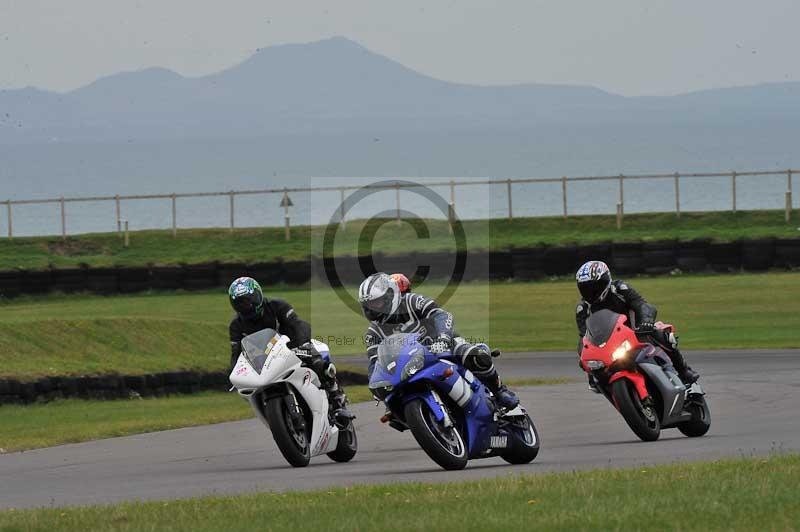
[{"x": 246, "y": 297}]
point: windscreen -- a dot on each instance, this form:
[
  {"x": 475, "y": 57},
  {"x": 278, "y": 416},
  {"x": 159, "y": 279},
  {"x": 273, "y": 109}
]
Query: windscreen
[
  {"x": 600, "y": 326},
  {"x": 390, "y": 348},
  {"x": 257, "y": 346}
]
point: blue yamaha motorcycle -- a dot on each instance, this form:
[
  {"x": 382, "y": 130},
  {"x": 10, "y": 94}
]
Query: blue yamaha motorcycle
[{"x": 451, "y": 414}]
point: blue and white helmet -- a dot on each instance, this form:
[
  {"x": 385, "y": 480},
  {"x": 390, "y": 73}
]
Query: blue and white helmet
[
  {"x": 594, "y": 281},
  {"x": 379, "y": 296}
]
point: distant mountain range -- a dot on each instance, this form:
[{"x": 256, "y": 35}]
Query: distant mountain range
[{"x": 338, "y": 87}]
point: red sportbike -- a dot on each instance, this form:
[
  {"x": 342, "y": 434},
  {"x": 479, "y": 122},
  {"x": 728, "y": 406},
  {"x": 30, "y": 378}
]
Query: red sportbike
[{"x": 639, "y": 379}]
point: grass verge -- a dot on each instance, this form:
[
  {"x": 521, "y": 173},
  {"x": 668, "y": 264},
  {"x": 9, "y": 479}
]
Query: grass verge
[
  {"x": 75, "y": 335},
  {"x": 263, "y": 244},
  {"x": 743, "y": 494},
  {"x": 74, "y": 420}
]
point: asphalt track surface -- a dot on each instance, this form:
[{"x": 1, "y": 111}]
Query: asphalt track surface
[{"x": 754, "y": 398}]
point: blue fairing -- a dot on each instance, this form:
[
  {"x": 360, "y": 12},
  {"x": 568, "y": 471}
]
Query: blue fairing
[{"x": 475, "y": 414}]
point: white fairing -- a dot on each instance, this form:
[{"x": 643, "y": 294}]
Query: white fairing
[{"x": 282, "y": 365}]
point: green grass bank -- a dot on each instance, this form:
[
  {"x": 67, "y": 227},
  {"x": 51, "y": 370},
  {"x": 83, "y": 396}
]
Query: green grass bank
[
  {"x": 138, "y": 334},
  {"x": 743, "y": 494}
]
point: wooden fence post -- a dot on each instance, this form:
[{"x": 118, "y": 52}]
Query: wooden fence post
[
  {"x": 677, "y": 195},
  {"x": 788, "y": 195},
  {"x": 174, "y": 217},
  {"x": 451, "y": 211},
  {"x": 788, "y": 206},
  {"x": 622, "y": 193},
  {"x": 564, "y": 195},
  {"x": 230, "y": 194},
  {"x": 8, "y": 211},
  {"x": 63, "y": 220},
  {"x": 286, "y": 203},
  {"x": 733, "y": 189},
  {"x": 619, "y": 215},
  {"x": 510, "y": 204},
  {"x": 341, "y": 208},
  {"x": 119, "y": 223}
]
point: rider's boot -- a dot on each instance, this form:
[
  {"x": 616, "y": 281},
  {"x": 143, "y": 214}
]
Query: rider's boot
[
  {"x": 337, "y": 400},
  {"x": 505, "y": 397}
]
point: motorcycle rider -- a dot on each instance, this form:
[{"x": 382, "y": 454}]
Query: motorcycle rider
[
  {"x": 255, "y": 312},
  {"x": 599, "y": 291},
  {"x": 390, "y": 311}
]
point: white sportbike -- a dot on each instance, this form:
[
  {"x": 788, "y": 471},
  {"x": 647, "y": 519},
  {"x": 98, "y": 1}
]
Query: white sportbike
[{"x": 288, "y": 397}]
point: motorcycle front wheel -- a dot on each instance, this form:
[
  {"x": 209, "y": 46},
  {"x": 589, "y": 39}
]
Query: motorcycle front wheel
[
  {"x": 642, "y": 419},
  {"x": 292, "y": 434},
  {"x": 444, "y": 445}
]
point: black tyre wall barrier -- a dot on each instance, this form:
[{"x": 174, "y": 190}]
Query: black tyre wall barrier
[
  {"x": 199, "y": 276},
  {"x": 133, "y": 279},
  {"x": 116, "y": 386},
  {"x": 166, "y": 277},
  {"x": 227, "y": 273},
  {"x": 724, "y": 257},
  {"x": 69, "y": 280},
  {"x": 660, "y": 257},
  {"x": 266, "y": 273},
  {"x": 523, "y": 264},
  {"x": 561, "y": 260},
  {"x": 787, "y": 252},
  {"x": 10, "y": 283},
  {"x": 477, "y": 266},
  {"x": 627, "y": 258},
  {"x": 501, "y": 265},
  {"x": 297, "y": 272},
  {"x": 691, "y": 255},
  {"x": 589, "y": 252},
  {"x": 758, "y": 255},
  {"x": 437, "y": 266},
  {"x": 36, "y": 282},
  {"x": 527, "y": 263},
  {"x": 102, "y": 280}
]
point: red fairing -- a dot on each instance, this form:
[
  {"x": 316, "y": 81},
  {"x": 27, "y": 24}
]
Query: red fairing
[
  {"x": 604, "y": 353},
  {"x": 635, "y": 377}
]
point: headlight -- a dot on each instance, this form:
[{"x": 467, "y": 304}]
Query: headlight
[
  {"x": 621, "y": 351},
  {"x": 595, "y": 364},
  {"x": 380, "y": 385},
  {"x": 414, "y": 365}
]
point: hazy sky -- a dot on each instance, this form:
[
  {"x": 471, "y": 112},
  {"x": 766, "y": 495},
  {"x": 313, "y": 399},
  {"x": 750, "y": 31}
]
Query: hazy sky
[{"x": 626, "y": 46}]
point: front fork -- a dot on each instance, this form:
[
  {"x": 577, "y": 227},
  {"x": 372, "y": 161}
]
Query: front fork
[{"x": 294, "y": 410}]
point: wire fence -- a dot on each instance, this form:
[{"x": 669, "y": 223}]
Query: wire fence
[{"x": 785, "y": 202}]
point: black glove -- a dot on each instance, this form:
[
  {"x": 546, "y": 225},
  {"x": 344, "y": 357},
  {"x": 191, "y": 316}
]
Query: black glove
[
  {"x": 306, "y": 351},
  {"x": 646, "y": 327}
]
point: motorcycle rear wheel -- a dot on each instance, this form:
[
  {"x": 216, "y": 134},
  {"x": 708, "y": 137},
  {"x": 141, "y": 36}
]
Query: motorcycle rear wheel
[
  {"x": 444, "y": 445},
  {"x": 293, "y": 441},
  {"x": 347, "y": 446},
  {"x": 524, "y": 441},
  {"x": 642, "y": 419},
  {"x": 701, "y": 419}
]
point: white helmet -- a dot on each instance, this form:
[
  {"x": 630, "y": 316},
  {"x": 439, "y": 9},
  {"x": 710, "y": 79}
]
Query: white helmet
[{"x": 379, "y": 296}]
